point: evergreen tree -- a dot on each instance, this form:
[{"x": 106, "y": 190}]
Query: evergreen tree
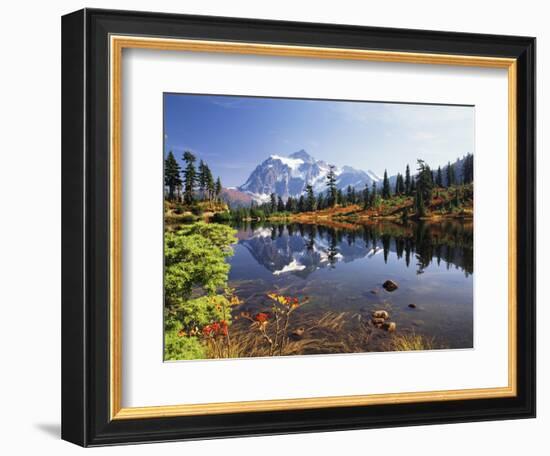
[
  {"x": 424, "y": 182},
  {"x": 366, "y": 197},
  {"x": 419, "y": 204},
  {"x": 310, "y": 198},
  {"x": 359, "y": 197},
  {"x": 350, "y": 195},
  {"x": 294, "y": 205},
  {"x": 339, "y": 196},
  {"x": 399, "y": 184},
  {"x": 202, "y": 178},
  {"x": 172, "y": 178},
  {"x": 273, "y": 202},
  {"x": 396, "y": 189},
  {"x": 408, "y": 180},
  {"x": 468, "y": 169},
  {"x": 373, "y": 194},
  {"x": 439, "y": 177},
  {"x": 210, "y": 184},
  {"x": 331, "y": 184},
  {"x": 288, "y": 204},
  {"x": 280, "y": 205},
  {"x": 450, "y": 174},
  {"x": 413, "y": 186},
  {"x": 189, "y": 177},
  {"x": 386, "y": 186},
  {"x": 218, "y": 188},
  {"x": 321, "y": 202},
  {"x": 301, "y": 204}
]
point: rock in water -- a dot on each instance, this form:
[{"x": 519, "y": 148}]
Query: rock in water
[
  {"x": 412, "y": 306},
  {"x": 297, "y": 333},
  {"x": 380, "y": 314},
  {"x": 390, "y": 285},
  {"x": 389, "y": 326},
  {"x": 378, "y": 322}
]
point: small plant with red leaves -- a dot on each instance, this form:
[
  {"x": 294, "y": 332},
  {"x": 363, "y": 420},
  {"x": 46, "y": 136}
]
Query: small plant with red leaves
[
  {"x": 216, "y": 334},
  {"x": 262, "y": 318},
  {"x": 273, "y": 326}
]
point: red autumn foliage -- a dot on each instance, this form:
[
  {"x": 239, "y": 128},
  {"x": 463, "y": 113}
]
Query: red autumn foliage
[
  {"x": 216, "y": 329},
  {"x": 261, "y": 317}
]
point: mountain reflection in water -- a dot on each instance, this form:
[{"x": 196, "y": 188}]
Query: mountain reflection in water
[
  {"x": 302, "y": 249},
  {"x": 341, "y": 267}
]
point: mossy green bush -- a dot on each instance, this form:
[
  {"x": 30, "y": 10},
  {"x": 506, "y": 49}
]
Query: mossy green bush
[
  {"x": 178, "y": 347},
  {"x": 195, "y": 278}
]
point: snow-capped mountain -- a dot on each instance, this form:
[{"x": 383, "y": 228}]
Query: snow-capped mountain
[{"x": 289, "y": 176}]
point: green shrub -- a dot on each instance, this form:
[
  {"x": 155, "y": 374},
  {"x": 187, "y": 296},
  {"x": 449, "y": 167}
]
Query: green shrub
[
  {"x": 221, "y": 217},
  {"x": 178, "y": 347},
  {"x": 195, "y": 264},
  {"x": 188, "y": 218},
  {"x": 193, "y": 314},
  {"x": 197, "y": 210}
]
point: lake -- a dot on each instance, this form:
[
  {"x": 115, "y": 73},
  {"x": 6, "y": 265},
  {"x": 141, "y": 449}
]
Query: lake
[{"x": 341, "y": 268}]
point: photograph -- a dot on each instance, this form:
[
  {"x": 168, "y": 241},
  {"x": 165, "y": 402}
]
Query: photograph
[
  {"x": 269, "y": 227},
  {"x": 305, "y": 226}
]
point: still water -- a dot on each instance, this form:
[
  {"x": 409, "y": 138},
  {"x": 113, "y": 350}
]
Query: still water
[{"x": 342, "y": 267}]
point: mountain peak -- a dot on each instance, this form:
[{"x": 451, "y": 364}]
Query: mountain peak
[
  {"x": 290, "y": 175},
  {"x": 302, "y": 155}
]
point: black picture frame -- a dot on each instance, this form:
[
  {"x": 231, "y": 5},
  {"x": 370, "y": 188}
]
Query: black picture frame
[{"x": 85, "y": 227}]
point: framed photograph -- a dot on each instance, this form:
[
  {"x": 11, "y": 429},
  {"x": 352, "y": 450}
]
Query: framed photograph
[{"x": 279, "y": 227}]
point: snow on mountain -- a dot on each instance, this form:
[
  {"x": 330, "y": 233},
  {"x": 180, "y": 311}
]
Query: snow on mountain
[
  {"x": 289, "y": 176},
  {"x": 292, "y": 266},
  {"x": 292, "y": 163},
  {"x": 373, "y": 176}
]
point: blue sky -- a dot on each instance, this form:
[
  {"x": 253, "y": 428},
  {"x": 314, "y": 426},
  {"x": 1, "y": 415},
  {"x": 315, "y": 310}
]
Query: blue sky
[{"x": 235, "y": 134}]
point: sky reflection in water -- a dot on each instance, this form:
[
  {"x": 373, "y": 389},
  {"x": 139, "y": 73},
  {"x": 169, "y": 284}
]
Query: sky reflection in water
[{"x": 339, "y": 268}]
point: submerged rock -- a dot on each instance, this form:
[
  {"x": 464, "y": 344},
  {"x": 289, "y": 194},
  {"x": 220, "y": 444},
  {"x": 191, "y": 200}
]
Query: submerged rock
[
  {"x": 412, "y": 306},
  {"x": 389, "y": 326},
  {"x": 374, "y": 291},
  {"x": 297, "y": 333},
  {"x": 390, "y": 285},
  {"x": 381, "y": 314}
]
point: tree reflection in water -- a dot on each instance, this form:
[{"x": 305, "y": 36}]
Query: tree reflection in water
[{"x": 317, "y": 245}]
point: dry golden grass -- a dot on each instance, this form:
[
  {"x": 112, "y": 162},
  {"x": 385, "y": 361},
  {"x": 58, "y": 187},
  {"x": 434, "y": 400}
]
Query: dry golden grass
[
  {"x": 334, "y": 332},
  {"x": 412, "y": 342}
]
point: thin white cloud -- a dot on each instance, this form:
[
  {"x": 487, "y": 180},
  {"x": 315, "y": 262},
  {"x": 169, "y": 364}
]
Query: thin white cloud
[{"x": 228, "y": 103}]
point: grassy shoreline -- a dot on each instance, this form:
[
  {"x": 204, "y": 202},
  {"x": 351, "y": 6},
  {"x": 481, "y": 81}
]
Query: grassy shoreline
[{"x": 444, "y": 205}]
